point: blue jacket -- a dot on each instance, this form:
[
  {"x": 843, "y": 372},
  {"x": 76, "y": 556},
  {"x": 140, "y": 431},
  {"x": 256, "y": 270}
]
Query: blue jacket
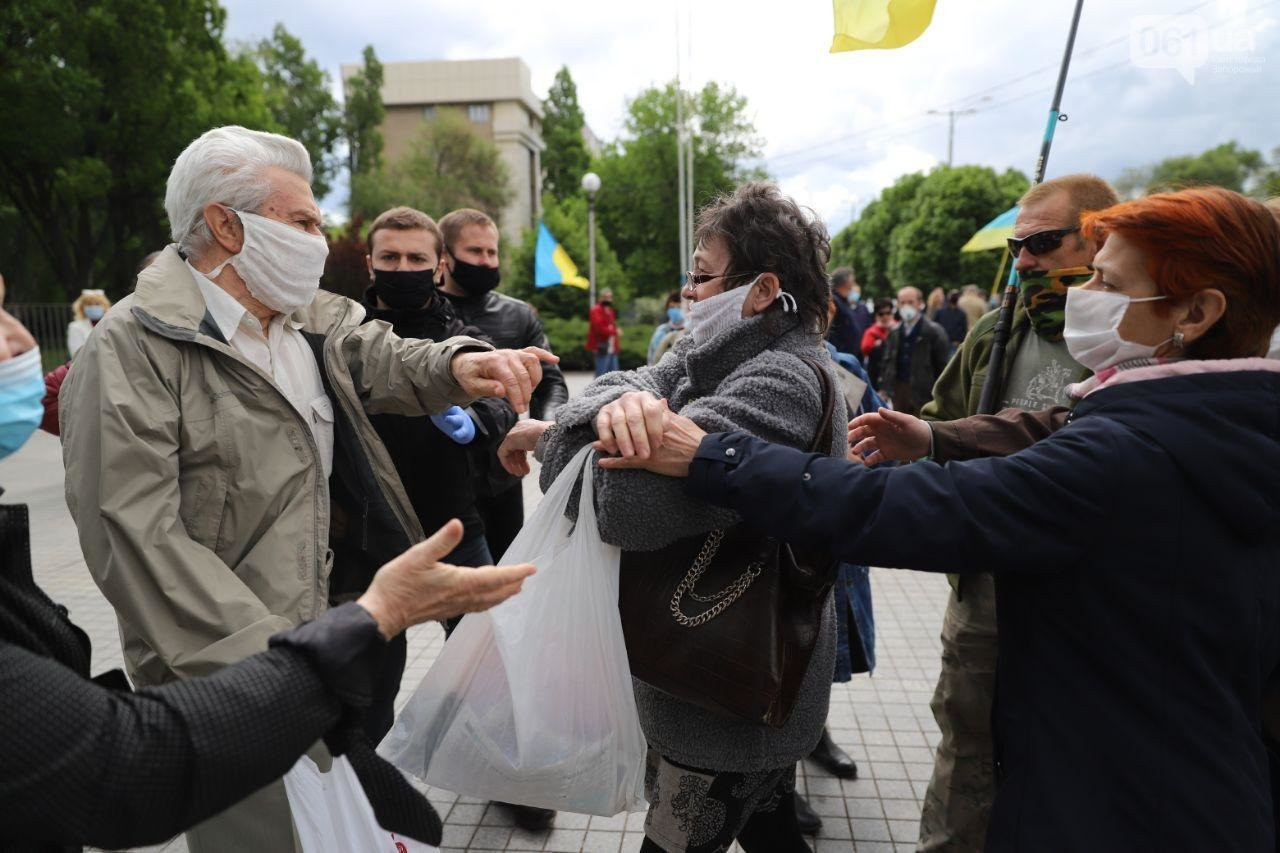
[{"x": 1137, "y": 558}]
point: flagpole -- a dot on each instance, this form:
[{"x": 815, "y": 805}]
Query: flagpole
[
  {"x": 682, "y": 214},
  {"x": 987, "y": 403}
]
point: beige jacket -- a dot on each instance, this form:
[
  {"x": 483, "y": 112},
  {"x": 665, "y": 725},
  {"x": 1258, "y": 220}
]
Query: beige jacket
[{"x": 197, "y": 489}]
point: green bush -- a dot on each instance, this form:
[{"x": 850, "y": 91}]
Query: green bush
[{"x": 568, "y": 339}]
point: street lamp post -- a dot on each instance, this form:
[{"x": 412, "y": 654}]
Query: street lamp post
[
  {"x": 951, "y": 124},
  {"x": 591, "y": 184}
]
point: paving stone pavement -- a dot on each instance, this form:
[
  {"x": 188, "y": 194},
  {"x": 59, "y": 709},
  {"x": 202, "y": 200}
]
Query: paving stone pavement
[{"x": 883, "y": 721}]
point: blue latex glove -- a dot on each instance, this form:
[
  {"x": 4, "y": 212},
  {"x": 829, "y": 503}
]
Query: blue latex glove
[{"x": 456, "y": 424}]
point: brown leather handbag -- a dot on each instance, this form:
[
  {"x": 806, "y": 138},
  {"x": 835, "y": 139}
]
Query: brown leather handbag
[{"x": 743, "y": 650}]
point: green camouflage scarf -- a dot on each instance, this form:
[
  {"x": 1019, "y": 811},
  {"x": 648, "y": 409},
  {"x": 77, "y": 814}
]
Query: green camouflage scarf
[{"x": 1044, "y": 295}]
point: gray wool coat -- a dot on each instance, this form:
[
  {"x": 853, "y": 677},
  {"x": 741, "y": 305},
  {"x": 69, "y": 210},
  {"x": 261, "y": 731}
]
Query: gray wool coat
[{"x": 750, "y": 378}]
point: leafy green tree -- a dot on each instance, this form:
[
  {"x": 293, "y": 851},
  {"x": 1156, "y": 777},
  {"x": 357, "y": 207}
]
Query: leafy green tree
[
  {"x": 362, "y": 117},
  {"x": 1244, "y": 170},
  {"x": 950, "y": 204},
  {"x": 100, "y": 97},
  {"x": 637, "y": 203},
  {"x": 565, "y": 159},
  {"x": 448, "y": 165},
  {"x": 297, "y": 93},
  {"x": 864, "y": 243}
]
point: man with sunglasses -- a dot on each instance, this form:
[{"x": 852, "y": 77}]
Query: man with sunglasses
[{"x": 1037, "y": 368}]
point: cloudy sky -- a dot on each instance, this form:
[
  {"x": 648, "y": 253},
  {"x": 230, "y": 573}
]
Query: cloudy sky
[{"x": 840, "y": 127}]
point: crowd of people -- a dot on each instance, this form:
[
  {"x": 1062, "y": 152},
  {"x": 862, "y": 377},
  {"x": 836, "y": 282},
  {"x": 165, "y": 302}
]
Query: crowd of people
[{"x": 271, "y": 482}]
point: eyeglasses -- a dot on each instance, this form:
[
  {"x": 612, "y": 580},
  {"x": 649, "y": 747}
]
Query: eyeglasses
[
  {"x": 1041, "y": 241},
  {"x": 698, "y": 279},
  {"x": 888, "y": 312}
]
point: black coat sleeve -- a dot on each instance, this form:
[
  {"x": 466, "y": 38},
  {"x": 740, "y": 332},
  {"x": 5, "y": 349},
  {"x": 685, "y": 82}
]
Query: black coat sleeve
[
  {"x": 1038, "y": 510},
  {"x": 90, "y": 766},
  {"x": 552, "y": 392}
]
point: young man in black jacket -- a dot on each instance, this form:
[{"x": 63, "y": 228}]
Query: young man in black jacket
[
  {"x": 432, "y": 455},
  {"x": 469, "y": 274}
]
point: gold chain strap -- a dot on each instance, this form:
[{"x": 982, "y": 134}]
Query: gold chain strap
[{"x": 723, "y": 598}]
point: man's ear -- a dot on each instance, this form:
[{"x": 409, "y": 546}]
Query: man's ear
[
  {"x": 225, "y": 225},
  {"x": 368, "y": 265}
]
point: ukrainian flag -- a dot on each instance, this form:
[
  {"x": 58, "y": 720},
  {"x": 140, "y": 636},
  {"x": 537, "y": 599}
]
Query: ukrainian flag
[
  {"x": 994, "y": 234},
  {"x": 882, "y": 24},
  {"x": 552, "y": 264}
]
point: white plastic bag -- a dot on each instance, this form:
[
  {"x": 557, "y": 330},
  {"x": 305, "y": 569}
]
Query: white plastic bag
[
  {"x": 333, "y": 815},
  {"x": 531, "y": 702}
]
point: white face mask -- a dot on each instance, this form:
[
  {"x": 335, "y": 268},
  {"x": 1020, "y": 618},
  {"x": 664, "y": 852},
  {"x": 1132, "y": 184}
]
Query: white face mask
[
  {"x": 907, "y": 313},
  {"x": 1092, "y": 330},
  {"x": 280, "y": 264},
  {"x": 708, "y": 317}
]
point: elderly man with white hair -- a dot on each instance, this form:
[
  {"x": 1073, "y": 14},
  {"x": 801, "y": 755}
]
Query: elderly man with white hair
[{"x": 216, "y": 435}]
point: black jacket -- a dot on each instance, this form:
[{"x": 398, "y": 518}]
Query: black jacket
[
  {"x": 954, "y": 322},
  {"x": 83, "y": 763},
  {"x": 848, "y": 327},
  {"x": 436, "y": 471},
  {"x": 1137, "y": 561},
  {"x": 509, "y": 323},
  {"x": 929, "y": 351}
]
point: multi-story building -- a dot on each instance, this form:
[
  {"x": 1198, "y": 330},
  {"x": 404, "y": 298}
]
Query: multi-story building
[{"x": 496, "y": 97}]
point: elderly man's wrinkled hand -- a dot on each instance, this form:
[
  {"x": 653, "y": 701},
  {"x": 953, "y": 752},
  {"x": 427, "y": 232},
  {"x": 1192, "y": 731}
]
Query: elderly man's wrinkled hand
[
  {"x": 631, "y": 425},
  {"x": 887, "y": 435},
  {"x": 514, "y": 451},
  {"x": 502, "y": 373},
  {"x": 416, "y": 587},
  {"x": 680, "y": 440}
]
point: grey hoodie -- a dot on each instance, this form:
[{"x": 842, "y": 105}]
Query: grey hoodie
[{"x": 749, "y": 377}]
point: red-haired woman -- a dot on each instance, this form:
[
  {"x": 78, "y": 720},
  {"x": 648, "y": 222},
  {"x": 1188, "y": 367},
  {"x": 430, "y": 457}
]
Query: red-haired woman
[{"x": 1136, "y": 549}]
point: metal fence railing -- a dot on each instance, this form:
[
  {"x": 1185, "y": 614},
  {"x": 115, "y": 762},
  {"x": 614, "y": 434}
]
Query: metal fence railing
[{"x": 47, "y": 322}]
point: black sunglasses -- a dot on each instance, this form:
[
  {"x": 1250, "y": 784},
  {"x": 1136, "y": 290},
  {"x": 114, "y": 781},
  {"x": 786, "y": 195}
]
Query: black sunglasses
[
  {"x": 1041, "y": 241},
  {"x": 887, "y": 312}
]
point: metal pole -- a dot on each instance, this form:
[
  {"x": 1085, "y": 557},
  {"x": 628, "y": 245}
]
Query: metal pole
[
  {"x": 987, "y": 403},
  {"x": 690, "y": 210},
  {"x": 591, "y": 244},
  {"x": 951, "y": 134},
  {"x": 682, "y": 214}
]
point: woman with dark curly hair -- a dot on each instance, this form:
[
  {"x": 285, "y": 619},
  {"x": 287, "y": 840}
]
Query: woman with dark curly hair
[
  {"x": 1140, "y": 630},
  {"x": 759, "y": 295}
]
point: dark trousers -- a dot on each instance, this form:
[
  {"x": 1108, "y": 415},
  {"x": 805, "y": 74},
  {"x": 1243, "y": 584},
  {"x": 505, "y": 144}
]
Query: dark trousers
[
  {"x": 382, "y": 710},
  {"x": 503, "y": 516}
]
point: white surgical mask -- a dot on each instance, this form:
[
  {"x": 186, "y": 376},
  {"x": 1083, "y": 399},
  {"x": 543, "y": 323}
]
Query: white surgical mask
[
  {"x": 281, "y": 265},
  {"x": 708, "y": 317},
  {"x": 1092, "y": 330},
  {"x": 908, "y": 313}
]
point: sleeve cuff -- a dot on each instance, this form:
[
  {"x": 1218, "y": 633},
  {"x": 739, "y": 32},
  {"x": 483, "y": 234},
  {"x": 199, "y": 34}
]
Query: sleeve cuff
[
  {"x": 345, "y": 648},
  {"x": 717, "y": 455}
]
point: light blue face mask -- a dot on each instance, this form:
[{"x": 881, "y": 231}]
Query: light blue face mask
[
  {"x": 94, "y": 312},
  {"x": 675, "y": 316},
  {"x": 21, "y": 400}
]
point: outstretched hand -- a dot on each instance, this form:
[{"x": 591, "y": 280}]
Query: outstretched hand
[
  {"x": 502, "y": 373},
  {"x": 680, "y": 440},
  {"x": 888, "y": 435},
  {"x": 416, "y": 587},
  {"x": 519, "y": 442}
]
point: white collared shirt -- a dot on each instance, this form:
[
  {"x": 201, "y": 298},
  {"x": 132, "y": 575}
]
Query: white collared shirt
[{"x": 283, "y": 355}]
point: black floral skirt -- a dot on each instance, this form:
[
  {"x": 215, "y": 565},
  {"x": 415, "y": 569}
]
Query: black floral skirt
[{"x": 704, "y": 811}]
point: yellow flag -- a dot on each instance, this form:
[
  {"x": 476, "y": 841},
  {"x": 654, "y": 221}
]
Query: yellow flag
[{"x": 884, "y": 24}]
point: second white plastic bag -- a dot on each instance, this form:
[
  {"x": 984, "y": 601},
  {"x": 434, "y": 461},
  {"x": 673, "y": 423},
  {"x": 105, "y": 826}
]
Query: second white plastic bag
[{"x": 531, "y": 702}]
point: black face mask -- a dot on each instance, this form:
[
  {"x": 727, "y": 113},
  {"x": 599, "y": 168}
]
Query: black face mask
[
  {"x": 404, "y": 289},
  {"x": 475, "y": 280}
]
